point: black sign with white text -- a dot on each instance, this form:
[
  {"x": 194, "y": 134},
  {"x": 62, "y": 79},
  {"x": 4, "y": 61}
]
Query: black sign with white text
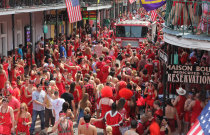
[{"x": 188, "y": 74}]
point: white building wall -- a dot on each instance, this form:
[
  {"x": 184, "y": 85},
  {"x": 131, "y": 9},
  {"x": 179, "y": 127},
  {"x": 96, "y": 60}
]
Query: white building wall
[{"x": 22, "y": 20}]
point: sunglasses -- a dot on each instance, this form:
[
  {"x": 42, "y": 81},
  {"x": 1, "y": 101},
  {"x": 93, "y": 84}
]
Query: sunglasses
[{"x": 22, "y": 108}]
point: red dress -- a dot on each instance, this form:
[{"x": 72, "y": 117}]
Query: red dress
[
  {"x": 113, "y": 120},
  {"x": 60, "y": 86},
  {"x": 180, "y": 106},
  {"x": 66, "y": 131},
  {"x": 3, "y": 80},
  {"x": 150, "y": 97},
  {"x": 196, "y": 110},
  {"x": 30, "y": 107},
  {"x": 105, "y": 72},
  {"x": 21, "y": 127},
  {"x": 6, "y": 126},
  {"x": 23, "y": 98}
]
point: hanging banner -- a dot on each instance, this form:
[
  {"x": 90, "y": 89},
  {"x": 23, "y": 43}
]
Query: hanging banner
[
  {"x": 188, "y": 74},
  {"x": 152, "y": 4}
]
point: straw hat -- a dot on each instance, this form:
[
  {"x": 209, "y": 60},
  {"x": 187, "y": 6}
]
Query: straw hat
[{"x": 181, "y": 91}]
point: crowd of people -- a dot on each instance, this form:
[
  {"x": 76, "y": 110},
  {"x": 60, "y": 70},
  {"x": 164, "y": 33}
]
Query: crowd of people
[{"x": 91, "y": 80}]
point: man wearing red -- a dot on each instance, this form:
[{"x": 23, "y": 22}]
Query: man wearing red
[{"x": 113, "y": 118}]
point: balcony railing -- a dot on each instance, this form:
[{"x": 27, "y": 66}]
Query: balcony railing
[
  {"x": 188, "y": 16},
  {"x": 11, "y": 4},
  {"x": 86, "y": 3}
]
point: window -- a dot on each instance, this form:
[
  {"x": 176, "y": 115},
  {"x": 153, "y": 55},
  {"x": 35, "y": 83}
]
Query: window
[{"x": 131, "y": 31}]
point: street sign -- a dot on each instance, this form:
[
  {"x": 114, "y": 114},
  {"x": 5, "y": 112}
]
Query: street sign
[{"x": 163, "y": 56}]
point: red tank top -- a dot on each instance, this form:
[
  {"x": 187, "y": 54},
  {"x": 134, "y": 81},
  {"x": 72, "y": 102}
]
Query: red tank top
[{"x": 196, "y": 110}]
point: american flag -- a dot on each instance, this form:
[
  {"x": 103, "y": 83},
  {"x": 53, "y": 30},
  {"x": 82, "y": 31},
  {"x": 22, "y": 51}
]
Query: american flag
[
  {"x": 202, "y": 124},
  {"x": 153, "y": 15},
  {"x": 73, "y": 9},
  {"x": 132, "y": 1}
]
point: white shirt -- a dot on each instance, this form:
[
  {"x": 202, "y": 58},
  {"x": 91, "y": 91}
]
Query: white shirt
[{"x": 57, "y": 106}]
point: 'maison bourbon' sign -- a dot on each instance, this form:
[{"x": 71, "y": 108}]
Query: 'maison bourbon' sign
[{"x": 188, "y": 74}]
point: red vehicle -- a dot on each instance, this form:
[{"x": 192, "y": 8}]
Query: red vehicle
[{"x": 132, "y": 31}]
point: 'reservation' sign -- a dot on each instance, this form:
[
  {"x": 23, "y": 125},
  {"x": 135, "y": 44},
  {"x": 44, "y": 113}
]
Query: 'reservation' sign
[{"x": 188, "y": 74}]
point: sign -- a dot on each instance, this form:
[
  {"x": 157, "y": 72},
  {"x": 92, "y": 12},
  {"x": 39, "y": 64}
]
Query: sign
[
  {"x": 188, "y": 74},
  {"x": 125, "y": 2},
  {"x": 91, "y": 15},
  {"x": 163, "y": 56},
  {"x": 27, "y": 34}
]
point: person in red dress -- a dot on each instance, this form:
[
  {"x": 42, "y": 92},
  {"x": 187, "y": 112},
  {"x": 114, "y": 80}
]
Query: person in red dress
[
  {"x": 59, "y": 81},
  {"x": 187, "y": 114},
  {"x": 3, "y": 77},
  {"x": 15, "y": 72},
  {"x": 33, "y": 72},
  {"x": 196, "y": 106},
  {"x": 99, "y": 65},
  {"x": 16, "y": 90},
  {"x": 158, "y": 110},
  {"x": 23, "y": 120},
  {"x": 7, "y": 121},
  {"x": 179, "y": 104},
  {"x": 114, "y": 119},
  {"x": 28, "y": 95},
  {"x": 151, "y": 95},
  {"x": 25, "y": 84},
  {"x": 105, "y": 71},
  {"x": 142, "y": 124}
]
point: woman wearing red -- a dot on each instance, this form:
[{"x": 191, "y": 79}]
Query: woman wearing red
[
  {"x": 25, "y": 84},
  {"x": 151, "y": 95},
  {"x": 64, "y": 125},
  {"x": 33, "y": 72},
  {"x": 7, "y": 120},
  {"x": 15, "y": 73},
  {"x": 187, "y": 114},
  {"x": 59, "y": 81},
  {"x": 28, "y": 95},
  {"x": 178, "y": 103},
  {"x": 196, "y": 106},
  {"x": 3, "y": 77},
  {"x": 105, "y": 71},
  {"x": 23, "y": 120}
]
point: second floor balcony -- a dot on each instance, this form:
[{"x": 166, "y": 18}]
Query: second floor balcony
[
  {"x": 21, "y": 4},
  {"x": 188, "y": 17}
]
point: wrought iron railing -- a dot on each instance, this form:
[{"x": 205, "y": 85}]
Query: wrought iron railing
[
  {"x": 188, "y": 16},
  {"x": 86, "y": 3},
  {"x": 10, "y": 4}
]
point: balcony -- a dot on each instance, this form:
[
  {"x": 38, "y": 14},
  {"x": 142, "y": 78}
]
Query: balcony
[
  {"x": 187, "y": 24},
  {"x": 94, "y": 3},
  {"x": 18, "y": 6},
  {"x": 189, "y": 18}
]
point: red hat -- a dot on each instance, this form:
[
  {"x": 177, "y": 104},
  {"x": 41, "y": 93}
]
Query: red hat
[
  {"x": 14, "y": 83},
  {"x": 56, "y": 46}
]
